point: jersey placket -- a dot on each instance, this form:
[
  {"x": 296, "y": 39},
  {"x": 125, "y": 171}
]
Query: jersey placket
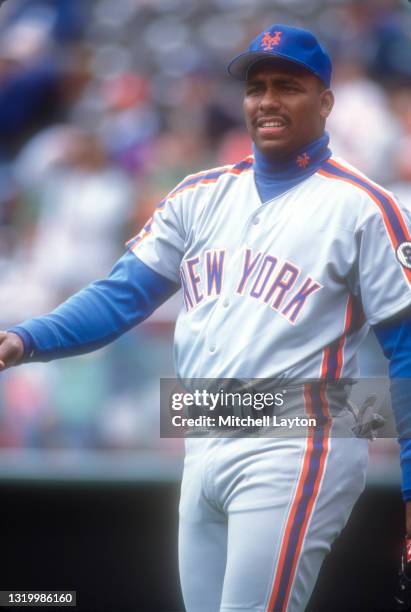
[{"x": 247, "y": 239}]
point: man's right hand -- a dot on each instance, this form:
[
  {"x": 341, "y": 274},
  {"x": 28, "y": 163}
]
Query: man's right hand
[{"x": 11, "y": 349}]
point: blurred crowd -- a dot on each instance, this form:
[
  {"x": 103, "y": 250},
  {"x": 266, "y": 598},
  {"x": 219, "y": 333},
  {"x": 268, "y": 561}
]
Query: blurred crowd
[{"x": 104, "y": 107}]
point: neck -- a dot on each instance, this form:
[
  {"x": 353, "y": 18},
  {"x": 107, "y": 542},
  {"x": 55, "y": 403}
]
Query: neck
[{"x": 303, "y": 162}]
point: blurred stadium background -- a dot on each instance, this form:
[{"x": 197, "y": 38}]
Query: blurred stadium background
[{"x": 104, "y": 106}]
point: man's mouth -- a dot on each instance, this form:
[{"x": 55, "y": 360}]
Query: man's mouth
[
  {"x": 271, "y": 123},
  {"x": 271, "y": 126}
]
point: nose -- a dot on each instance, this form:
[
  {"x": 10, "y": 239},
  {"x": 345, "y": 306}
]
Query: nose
[{"x": 271, "y": 100}]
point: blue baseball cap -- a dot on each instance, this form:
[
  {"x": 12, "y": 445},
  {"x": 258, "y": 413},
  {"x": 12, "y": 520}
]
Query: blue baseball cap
[{"x": 286, "y": 43}]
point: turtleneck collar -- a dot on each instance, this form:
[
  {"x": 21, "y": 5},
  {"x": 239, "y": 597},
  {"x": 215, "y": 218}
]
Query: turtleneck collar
[{"x": 276, "y": 177}]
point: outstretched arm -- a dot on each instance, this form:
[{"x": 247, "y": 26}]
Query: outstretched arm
[{"x": 91, "y": 318}]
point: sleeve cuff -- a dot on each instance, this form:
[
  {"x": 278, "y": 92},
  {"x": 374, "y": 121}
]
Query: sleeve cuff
[{"x": 27, "y": 340}]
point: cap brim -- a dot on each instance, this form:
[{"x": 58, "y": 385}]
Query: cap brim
[{"x": 240, "y": 66}]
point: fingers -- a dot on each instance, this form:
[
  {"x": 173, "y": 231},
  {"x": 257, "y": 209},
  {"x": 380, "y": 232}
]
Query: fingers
[
  {"x": 11, "y": 349},
  {"x": 3, "y": 336}
]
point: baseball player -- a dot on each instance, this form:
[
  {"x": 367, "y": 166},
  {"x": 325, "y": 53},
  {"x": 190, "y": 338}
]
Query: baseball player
[{"x": 285, "y": 259}]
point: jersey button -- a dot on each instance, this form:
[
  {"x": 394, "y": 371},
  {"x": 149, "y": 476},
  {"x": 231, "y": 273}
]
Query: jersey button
[
  {"x": 226, "y": 303},
  {"x": 211, "y": 348},
  {"x": 256, "y": 220}
]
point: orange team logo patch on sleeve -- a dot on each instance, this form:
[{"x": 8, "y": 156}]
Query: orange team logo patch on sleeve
[
  {"x": 269, "y": 41},
  {"x": 303, "y": 160}
]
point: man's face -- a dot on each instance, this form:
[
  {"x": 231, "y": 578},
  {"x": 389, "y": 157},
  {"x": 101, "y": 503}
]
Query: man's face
[{"x": 285, "y": 107}]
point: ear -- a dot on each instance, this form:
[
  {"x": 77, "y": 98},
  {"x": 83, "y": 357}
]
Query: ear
[{"x": 326, "y": 103}]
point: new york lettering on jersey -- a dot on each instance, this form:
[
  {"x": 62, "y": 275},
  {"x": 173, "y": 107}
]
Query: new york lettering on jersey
[{"x": 263, "y": 277}]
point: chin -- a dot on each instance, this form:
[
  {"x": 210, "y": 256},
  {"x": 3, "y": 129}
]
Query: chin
[{"x": 275, "y": 151}]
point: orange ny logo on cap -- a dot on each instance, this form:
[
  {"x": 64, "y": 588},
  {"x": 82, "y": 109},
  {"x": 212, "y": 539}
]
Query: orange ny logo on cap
[{"x": 269, "y": 41}]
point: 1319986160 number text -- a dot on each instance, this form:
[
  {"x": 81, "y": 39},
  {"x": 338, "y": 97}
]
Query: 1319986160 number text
[{"x": 38, "y": 598}]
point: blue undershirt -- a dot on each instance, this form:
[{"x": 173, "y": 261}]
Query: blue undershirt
[
  {"x": 394, "y": 337},
  {"x": 273, "y": 178},
  {"x": 107, "y": 308}
]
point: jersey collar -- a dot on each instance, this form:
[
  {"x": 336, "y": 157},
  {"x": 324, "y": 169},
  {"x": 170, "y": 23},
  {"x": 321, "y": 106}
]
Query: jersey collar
[{"x": 274, "y": 178}]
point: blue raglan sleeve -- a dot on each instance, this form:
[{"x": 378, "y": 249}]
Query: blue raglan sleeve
[
  {"x": 395, "y": 339},
  {"x": 97, "y": 314}
]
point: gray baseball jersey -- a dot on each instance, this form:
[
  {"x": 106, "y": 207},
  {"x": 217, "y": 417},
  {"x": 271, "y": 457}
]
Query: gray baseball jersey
[{"x": 285, "y": 288}]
